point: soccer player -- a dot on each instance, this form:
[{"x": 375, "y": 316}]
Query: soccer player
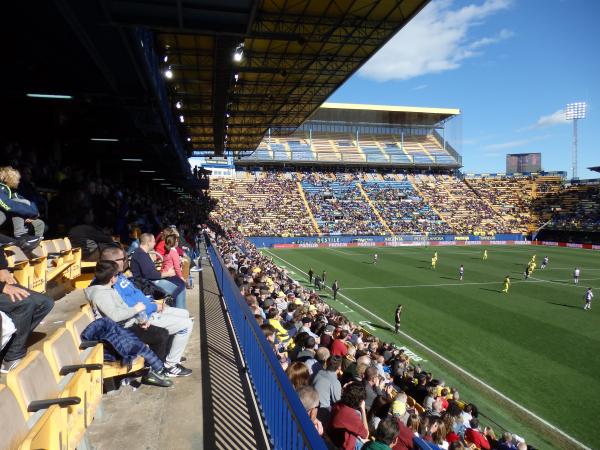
[
  {"x": 576, "y": 273},
  {"x": 461, "y": 272},
  {"x": 527, "y": 272},
  {"x": 589, "y": 295},
  {"x": 375, "y": 256},
  {"x": 506, "y": 284},
  {"x": 433, "y": 262},
  {"x": 397, "y": 317},
  {"x": 435, "y": 255},
  {"x": 485, "y": 254},
  {"x": 335, "y": 287},
  {"x": 310, "y": 274},
  {"x": 544, "y": 262},
  {"x": 533, "y": 258}
]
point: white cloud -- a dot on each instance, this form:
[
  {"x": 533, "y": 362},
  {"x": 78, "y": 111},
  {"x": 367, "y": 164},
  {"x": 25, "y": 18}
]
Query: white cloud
[
  {"x": 420, "y": 87},
  {"x": 556, "y": 118},
  {"x": 436, "y": 40},
  {"x": 516, "y": 143}
]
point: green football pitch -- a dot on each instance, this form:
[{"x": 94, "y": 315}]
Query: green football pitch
[{"x": 534, "y": 346}]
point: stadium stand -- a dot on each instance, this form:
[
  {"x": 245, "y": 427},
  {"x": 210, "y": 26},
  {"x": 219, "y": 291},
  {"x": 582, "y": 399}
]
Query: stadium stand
[{"x": 272, "y": 203}]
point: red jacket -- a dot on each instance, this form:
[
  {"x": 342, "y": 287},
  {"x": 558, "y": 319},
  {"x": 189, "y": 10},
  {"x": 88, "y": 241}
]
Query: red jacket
[
  {"x": 338, "y": 348},
  {"x": 476, "y": 437},
  {"x": 405, "y": 438},
  {"x": 346, "y": 424}
]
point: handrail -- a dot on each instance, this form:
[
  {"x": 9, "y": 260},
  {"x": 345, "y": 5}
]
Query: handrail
[{"x": 284, "y": 416}]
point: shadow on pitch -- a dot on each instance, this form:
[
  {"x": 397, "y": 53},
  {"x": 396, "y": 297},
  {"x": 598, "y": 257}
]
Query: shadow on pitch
[
  {"x": 564, "y": 305},
  {"x": 491, "y": 290},
  {"x": 450, "y": 278},
  {"x": 381, "y": 327}
]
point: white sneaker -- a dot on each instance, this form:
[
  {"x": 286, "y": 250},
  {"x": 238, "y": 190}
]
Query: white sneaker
[{"x": 7, "y": 366}]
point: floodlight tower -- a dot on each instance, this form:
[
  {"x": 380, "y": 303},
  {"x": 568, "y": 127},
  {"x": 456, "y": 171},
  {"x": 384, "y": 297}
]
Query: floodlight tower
[{"x": 574, "y": 112}]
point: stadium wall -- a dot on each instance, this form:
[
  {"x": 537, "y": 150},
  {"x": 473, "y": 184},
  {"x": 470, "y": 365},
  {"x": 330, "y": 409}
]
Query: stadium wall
[
  {"x": 567, "y": 244},
  {"x": 382, "y": 241}
]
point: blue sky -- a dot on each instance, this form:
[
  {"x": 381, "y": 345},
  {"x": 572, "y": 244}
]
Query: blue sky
[{"x": 509, "y": 65}]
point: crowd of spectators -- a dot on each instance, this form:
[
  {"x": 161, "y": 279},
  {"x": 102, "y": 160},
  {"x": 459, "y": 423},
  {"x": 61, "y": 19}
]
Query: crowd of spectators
[
  {"x": 357, "y": 390},
  {"x": 338, "y": 205},
  {"x": 404, "y": 210},
  {"x": 103, "y": 214},
  {"x": 265, "y": 205}
]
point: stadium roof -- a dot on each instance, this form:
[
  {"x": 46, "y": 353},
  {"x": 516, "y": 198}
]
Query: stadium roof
[
  {"x": 295, "y": 54},
  {"x": 382, "y": 114},
  {"x": 595, "y": 168}
]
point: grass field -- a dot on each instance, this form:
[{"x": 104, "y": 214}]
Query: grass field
[{"x": 535, "y": 345}]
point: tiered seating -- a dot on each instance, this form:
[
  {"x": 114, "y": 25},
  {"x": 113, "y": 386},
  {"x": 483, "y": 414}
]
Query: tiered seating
[
  {"x": 269, "y": 206},
  {"x": 339, "y": 207},
  {"x": 577, "y": 207},
  {"x": 343, "y": 147},
  {"x": 510, "y": 196},
  {"x": 459, "y": 205},
  {"x": 402, "y": 208}
]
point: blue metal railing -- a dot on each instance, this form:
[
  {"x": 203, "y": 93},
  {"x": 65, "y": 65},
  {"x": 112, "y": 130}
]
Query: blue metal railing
[{"x": 284, "y": 416}]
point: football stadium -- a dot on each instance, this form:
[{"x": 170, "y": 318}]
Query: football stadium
[{"x": 201, "y": 249}]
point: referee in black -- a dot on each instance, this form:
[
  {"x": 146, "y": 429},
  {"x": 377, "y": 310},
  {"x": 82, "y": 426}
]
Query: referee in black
[
  {"x": 335, "y": 287},
  {"x": 398, "y": 317}
]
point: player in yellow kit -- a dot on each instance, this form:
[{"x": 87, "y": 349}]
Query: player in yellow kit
[
  {"x": 484, "y": 254},
  {"x": 433, "y": 262},
  {"x": 506, "y": 284}
]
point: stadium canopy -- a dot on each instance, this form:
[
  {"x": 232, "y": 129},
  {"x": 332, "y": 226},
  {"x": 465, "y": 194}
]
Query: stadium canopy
[
  {"x": 107, "y": 62},
  {"x": 595, "y": 168},
  {"x": 381, "y": 114}
]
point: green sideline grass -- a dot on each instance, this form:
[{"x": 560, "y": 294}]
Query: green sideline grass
[{"x": 536, "y": 345}]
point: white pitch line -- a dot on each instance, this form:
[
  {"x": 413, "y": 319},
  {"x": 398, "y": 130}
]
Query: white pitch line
[
  {"x": 398, "y": 286},
  {"x": 344, "y": 253},
  {"x": 455, "y": 366}
]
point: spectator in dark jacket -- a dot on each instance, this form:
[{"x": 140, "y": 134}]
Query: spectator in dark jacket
[{"x": 142, "y": 266}]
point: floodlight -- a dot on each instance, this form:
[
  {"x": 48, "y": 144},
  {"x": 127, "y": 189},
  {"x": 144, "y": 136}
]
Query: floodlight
[
  {"x": 178, "y": 105},
  {"x": 189, "y": 139},
  {"x": 166, "y": 58},
  {"x": 104, "y": 140},
  {"x": 169, "y": 73},
  {"x": 575, "y": 111},
  {"x": 51, "y": 96},
  {"x": 132, "y": 159},
  {"x": 181, "y": 119},
  {"x": 238, "y": 54},
  {"x": 147, "y": 171}
]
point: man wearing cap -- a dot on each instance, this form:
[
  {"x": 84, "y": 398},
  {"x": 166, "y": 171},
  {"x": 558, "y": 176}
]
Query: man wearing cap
[
  {"x": 306, "y": 328},
  {"x": 327, "y": 336}
]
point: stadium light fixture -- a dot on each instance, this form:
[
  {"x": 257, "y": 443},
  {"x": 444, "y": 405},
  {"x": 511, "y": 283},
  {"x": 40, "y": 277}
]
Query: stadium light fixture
[
  {"x": 575, "y": 111},
  {"x": 178, "y": 105},
  {"x": 166, "y": 58},
  {"x": 132, "y": 159},
  {"x": 147, "y": 171},
  {"x": 236, "y": 77},
  {"x": 50, "y": 96},
  {"x": 238, "y": 54},
  {"x": 104, "y": 140},
  {"x": 158, "y": 179},
  {"x": 189, "y": 139},
  {"x": 169, "y": 73},
  {"x": 181, "y": 119},
  {"x": 165, "y": 184}
]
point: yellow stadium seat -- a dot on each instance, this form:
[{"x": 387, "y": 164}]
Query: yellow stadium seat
[
  {"x": 35, "y": 389},
  {"x": 110, "y": 369},
  {"x": 44, "y": 431},
  {"x": 38, "y": 269},
  {"x": 18, "y": 263},
  {"x": 64, "y": 358}
]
